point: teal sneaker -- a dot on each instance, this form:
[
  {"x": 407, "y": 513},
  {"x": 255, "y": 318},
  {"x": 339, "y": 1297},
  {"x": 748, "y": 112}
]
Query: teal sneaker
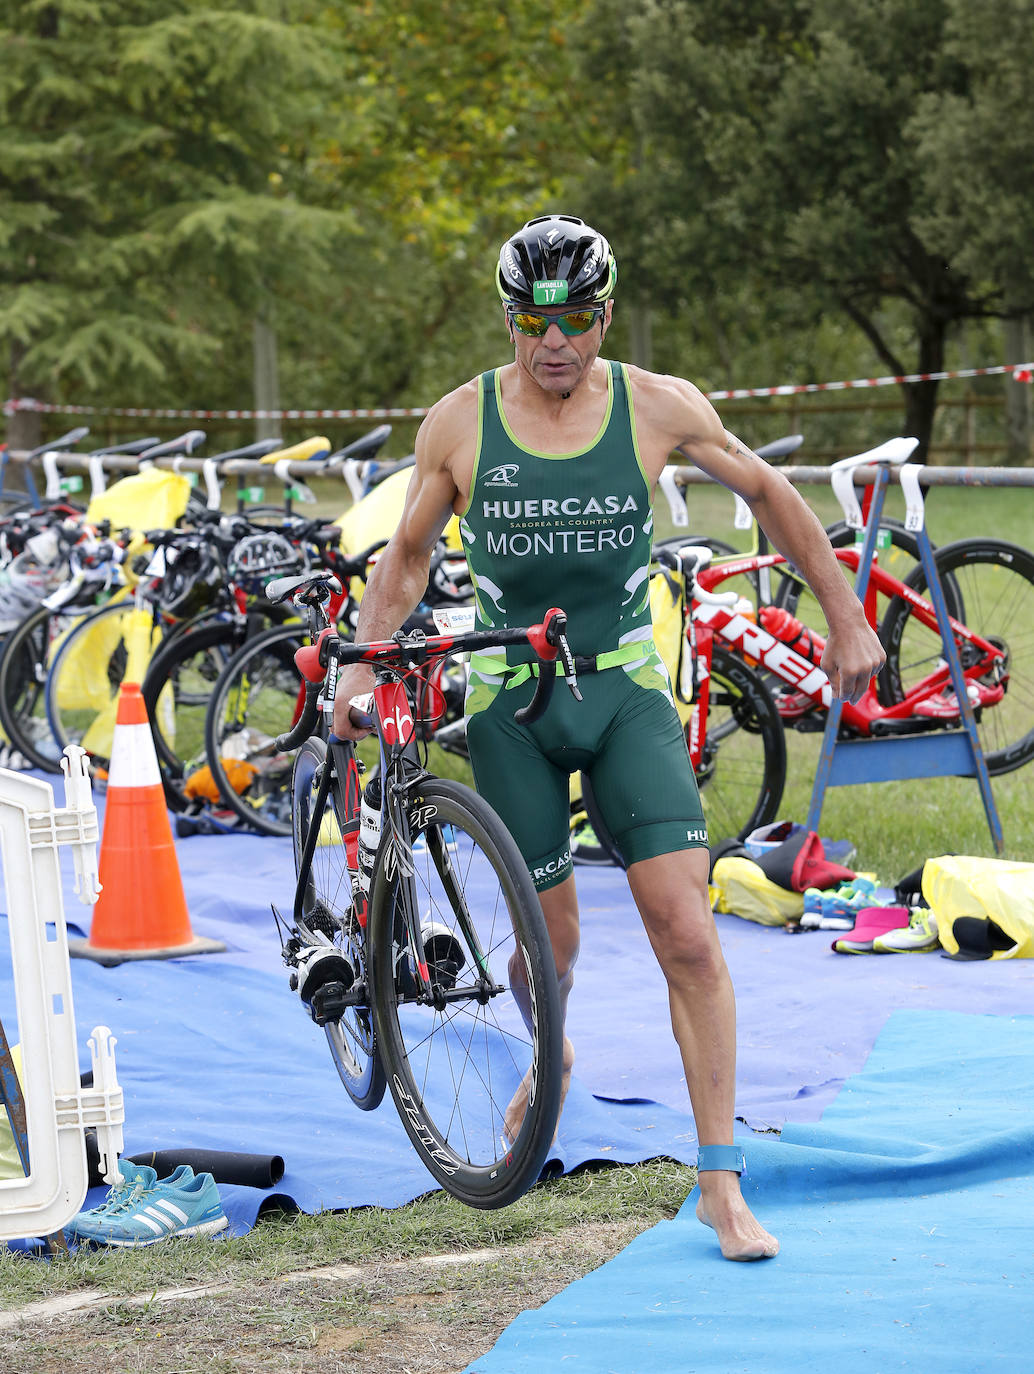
[
  {"x": 147, "y": 1211},
  {"x": 132, "y": 1181},
  {"x": 919, "y": 936}
]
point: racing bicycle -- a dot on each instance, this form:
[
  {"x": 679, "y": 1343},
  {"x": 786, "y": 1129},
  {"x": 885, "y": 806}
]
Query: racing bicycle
[
  {"x": 416, "y": 938},
  {"x": 991, "y": 613}
]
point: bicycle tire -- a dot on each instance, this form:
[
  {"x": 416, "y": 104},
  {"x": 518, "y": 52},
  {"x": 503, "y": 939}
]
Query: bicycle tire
[
  {"x": 24, "y": 662},
  {"x": 254, "y": 699},
  {"x": 84, "y": 680},
  {"x": 994, "y": 584},
  {"x": 329, "y": 906},
  {"x": 454, "y": 1068},
  {"x": 741, "y": 785},
  {"x": 176, "y": 691}
]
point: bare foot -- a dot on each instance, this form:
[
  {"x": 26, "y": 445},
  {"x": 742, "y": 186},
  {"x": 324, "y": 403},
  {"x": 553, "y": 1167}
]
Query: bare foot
[
  {"x": 721, "y": 1206},
  {"x": 514, "y": 1117}
]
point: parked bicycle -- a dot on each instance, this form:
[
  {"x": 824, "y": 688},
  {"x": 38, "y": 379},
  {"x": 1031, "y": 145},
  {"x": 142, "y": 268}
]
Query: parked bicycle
[
  {"x": 416, "y": 938},
  {"x": 989, "y": 591}
]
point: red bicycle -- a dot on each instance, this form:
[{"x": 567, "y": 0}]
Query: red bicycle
[
  {"x": 751, "y": 671},
  {"x": 416, "y": 939}
]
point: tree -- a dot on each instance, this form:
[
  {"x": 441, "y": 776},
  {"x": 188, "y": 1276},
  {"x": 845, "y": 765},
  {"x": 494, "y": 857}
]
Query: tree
[
  {"x": 154, "y": 190},
  {"x": 469, "y": 114},
  {"x": 983, "y": 220},
  {"x": 780, "y": 154}
]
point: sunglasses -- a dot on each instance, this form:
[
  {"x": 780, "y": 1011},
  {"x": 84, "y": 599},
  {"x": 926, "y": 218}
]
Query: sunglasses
[{"x": 577, "y": 322}]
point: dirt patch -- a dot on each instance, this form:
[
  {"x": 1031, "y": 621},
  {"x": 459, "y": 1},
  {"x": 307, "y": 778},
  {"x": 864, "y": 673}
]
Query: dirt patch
[{"x": 432, "y": 1315}]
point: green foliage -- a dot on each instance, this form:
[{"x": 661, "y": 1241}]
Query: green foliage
[
  {"x": 783, "y": 154},
  {"x": 779, "y": 180},
  {"x": 983, "y": 221},
  {"x": 152, "y": 192}
]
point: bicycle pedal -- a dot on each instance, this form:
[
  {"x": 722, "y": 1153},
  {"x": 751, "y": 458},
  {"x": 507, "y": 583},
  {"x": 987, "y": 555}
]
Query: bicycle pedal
[
  {"x": 813, "y": 724},
  {"x": 322, "y": 980}
]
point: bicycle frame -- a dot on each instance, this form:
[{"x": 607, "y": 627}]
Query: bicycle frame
[
  {"x": 753, "y": 641},
  {"x": 397, "y": 733}
]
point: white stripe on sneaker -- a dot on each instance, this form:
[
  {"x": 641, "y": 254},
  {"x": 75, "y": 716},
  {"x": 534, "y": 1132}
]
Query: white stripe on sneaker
[
  {"x": 177, "y": 1212},
  {"x": 146, "y": 1220}
]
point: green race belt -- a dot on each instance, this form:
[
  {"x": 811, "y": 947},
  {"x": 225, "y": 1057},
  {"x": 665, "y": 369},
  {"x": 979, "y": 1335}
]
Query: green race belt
[{"x": 595, "y": 663}]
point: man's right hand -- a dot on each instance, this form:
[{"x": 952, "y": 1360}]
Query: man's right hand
[{"x": 354, "y": 681}]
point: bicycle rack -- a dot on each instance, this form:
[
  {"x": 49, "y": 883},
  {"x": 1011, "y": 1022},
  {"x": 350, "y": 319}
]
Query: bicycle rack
[
  {"x": 945, "y": 753},
  {"x": 50, "y": 1113}
]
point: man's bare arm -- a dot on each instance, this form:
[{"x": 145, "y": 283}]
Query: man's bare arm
[
  {"x": 853, "y": 652},
  {"x": 400, "y": 575}
]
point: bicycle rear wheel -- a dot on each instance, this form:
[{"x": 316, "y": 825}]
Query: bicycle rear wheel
[
  {"x": 742, "y": 769},
  {"x": 994, "y": 589},
  {"x": 330, "y": 917},
  {"x": 89, "y": 667},
  {"x": 492, "y": 1029},
  {"x": 255, "y": 699},
  {"x": 25, "y": 658}
]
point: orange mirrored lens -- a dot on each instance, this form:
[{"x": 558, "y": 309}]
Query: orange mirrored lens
[
  {"x": 577, "y": 322},
  {"x": 535, "y": 325}
]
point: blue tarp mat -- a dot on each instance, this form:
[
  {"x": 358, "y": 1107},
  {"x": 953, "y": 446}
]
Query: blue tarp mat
[
  {"x": 215, "y": 1052},
  {"x": 906, "y": 1218}
]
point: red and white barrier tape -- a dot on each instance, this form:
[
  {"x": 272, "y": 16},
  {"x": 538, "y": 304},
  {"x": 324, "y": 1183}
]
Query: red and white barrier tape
[{"x": 1021, "y": 372}]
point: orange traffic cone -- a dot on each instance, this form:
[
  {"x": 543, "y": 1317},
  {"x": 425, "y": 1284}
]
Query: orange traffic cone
[{"x": 141, "y": 912}]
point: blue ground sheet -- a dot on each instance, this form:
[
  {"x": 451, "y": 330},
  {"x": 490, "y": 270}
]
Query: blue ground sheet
[
  {"x": 906, "y": 1218},
  {"x": 215, "y": 1052}
]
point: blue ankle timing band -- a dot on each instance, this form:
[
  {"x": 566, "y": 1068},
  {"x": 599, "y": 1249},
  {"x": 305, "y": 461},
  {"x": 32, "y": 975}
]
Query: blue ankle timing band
[{"x": 710, "y": 1157}]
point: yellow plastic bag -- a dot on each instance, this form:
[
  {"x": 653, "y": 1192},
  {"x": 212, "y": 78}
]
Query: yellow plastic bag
[
  {"x": 149, "y": 500},
  {"x": 738, "y": 886},
  {"x": 667, "y": 612},
  {"x": 86, "y": 691},
  {"x": 377, "y": 515},
  {"x": 10, "y": 1160},
  {"x": 984, "y": 907}
]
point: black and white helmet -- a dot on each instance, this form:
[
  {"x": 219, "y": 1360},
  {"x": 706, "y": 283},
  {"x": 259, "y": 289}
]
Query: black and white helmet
[{"x": 556, "y": 260}]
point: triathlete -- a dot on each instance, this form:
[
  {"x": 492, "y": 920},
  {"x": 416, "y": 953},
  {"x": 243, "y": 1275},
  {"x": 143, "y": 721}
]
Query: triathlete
[{"x": 551, "y": 462}]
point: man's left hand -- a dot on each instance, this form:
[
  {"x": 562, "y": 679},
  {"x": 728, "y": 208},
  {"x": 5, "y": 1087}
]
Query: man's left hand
[{"x": 852, "y": 657}]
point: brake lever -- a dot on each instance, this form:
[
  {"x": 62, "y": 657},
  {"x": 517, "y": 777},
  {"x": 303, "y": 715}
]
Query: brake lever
[{"x": 570, "y": 673}]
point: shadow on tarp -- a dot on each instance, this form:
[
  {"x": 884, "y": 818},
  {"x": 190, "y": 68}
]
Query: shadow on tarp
[
  {"x": 215, "y": 1055},
  {"x": 906, "y": 1218}
]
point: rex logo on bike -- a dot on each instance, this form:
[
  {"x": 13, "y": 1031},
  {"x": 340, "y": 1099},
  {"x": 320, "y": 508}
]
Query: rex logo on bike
[{"x": 755, "y": 641}]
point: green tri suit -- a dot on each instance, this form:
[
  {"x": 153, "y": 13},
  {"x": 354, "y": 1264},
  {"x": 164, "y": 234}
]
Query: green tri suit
[{"x": 573, "y": 530}]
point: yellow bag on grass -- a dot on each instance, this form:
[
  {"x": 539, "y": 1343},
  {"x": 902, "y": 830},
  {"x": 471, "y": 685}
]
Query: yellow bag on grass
[
  {"x": 984, "y": 907},
  {"x": 738, "y": 886}
]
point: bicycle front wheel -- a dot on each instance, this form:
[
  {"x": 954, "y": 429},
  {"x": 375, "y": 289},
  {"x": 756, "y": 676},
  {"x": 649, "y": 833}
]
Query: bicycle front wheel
[
  {"x": 489, "y": 1037},
  {"x": 25, "y": 658},
  {"x": 329, "y": 917},
  {"x": 257, "y": 697},
  {"x": 994, "y": 589},
  {"x": 176, "y": 691},
  {"x": 111, "y": 646},
  {"x": 742, "y": 769},
  {"x": 899, "y": 556}
]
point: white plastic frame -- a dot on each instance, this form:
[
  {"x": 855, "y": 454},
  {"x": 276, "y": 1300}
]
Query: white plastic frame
[{"x": 57, "y": 1108}]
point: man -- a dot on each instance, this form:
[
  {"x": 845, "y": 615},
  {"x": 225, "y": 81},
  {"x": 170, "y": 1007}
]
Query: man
[{"x": 550, "y": 463}]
